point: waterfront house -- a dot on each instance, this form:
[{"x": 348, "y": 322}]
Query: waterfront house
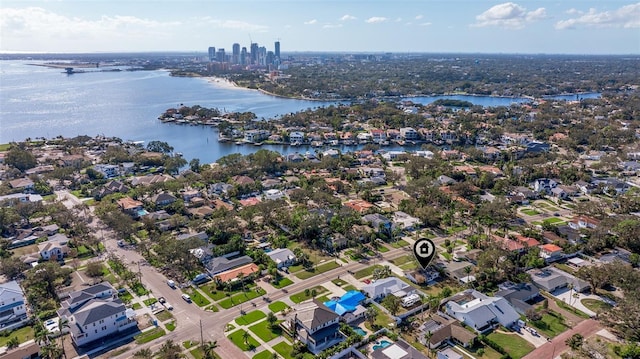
[
  {"x": 13, "y": 308},
  {"x": 108, "y": 171},
  {"x": 314, "y": 325},
  {"x": 296, "y": 137},
  {"x": 409, "y": 134},
  {"x": 95, "y": 313}
]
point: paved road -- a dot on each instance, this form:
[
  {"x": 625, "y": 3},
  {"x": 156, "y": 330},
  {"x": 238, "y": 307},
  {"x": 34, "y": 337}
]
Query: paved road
[
  {"x": 557, "y": 345},
  {"x": 213, "y": 324}
]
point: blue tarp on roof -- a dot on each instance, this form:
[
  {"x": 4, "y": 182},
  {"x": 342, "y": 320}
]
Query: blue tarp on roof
[{"x": 347, "y": 303}]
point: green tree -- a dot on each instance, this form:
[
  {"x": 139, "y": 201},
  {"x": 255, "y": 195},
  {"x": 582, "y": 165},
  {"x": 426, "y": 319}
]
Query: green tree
[
  {"x": 208, "y": 349},
  {"x": 145, "y": 353},
  {"x": 94, "y": 269},
  {"x": 272, "y": 320},
  {"x": 392, "y": 303},
  {"x": 20, "y": 159},
  {"x": 170, "y": 350},
  {"x": 13, "y": 342},
  {"x": 575, "y": 341},
  {"x": 159, "y": 146}
]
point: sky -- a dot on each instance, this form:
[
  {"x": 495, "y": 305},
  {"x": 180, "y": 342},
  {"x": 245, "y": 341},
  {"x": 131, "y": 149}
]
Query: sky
[{"x": 401, "y": 26}]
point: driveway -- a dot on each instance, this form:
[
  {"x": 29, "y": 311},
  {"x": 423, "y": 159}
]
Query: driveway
[
  {"x": 557, "y": 345},
  {"x": 575, "y": 300}
]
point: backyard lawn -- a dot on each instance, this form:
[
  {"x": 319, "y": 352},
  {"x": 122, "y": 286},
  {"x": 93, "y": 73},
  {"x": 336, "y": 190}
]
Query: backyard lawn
[
  {"x": 284, "y": 349},
  {"x": 317, "y": 270},
  {"x": 250, "y": 317},
  {"x": 530, "y": 212},
  {"x": 307, "y": 294},
  {"x": 237, "y": 339},
  {"x": 277, "y": 306},
  {"x": 512, "y": 344}
]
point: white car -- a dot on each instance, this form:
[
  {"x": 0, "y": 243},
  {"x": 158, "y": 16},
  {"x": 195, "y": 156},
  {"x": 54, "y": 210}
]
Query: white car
[{"x": 168, "y": 305}]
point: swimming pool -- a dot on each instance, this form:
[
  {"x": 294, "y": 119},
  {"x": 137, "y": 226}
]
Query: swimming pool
[
  {"x": 382, "y": 344},
  {"x": 359, "y": 330}
]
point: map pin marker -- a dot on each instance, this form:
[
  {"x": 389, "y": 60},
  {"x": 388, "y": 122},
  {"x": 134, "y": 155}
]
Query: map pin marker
[{"x": 424, "y": 250}]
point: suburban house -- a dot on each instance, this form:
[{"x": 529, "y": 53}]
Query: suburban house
[
  {"x": 13, "y": 310},
  {"x": 108, "y": 171},
  {"x": 551, "y": 252},
  {"x": 223, "y": 264},
  {"x": 54, "y": 247},
  {"x": 237, "y": 272},
  {"x": 163, "y": 199},
  {"x": 314, "y": 324},
  {"x": 296, "y": 137},
  {"x": 442, "y": 329},
  {"x": 408, "y": 133},
  {"x": 283, "y": 257},
  {"x": 348, "y": 306},
  {"x": 544, "y": 185},
  {"x": 585, "y": 222},
  {"x": 273, "y": 194},
  {"x": 95, "y": 313},
  {"x": 449, "y": 353},
  {"x": 405, "y": 221},
  {"x": 398, "y": 350},
  {"x": 24, "y": 184},
  {"x": 480, "y": 311},
  {"x": 378, "y": 221},
  {"x": 551, "y": 279},
  {"x": 518, "y": 295},
  {"x": 130, "y": 206},
  {"x": 383, "y": 287}
]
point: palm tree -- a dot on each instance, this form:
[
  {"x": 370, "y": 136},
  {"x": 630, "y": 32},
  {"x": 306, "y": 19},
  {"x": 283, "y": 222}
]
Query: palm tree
[
  {"x": 145, "y": 353},
  {"x": 170, "y": 350},
  {"x": 208, "y": 349},
  {"x": 64, "y": 324},
  {"x": 13, "y": 343},
  {"x": 370, "y": 315},
  {"x": 427, "y": 338}
]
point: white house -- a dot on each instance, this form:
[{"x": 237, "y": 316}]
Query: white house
[
  {"x": 13, "y": 310},
  {"x": 283, "y": 257},
  {"x": 108, "y": 171},
  {"x": 408, "y": 133},
  {"x": 273, "y": 194},
  {"x": 296, "y": 137},
  {"x": 481, "y": 312},
  {"x": 95, "y": 313},
  {"x": 391, "y": 285},
  {"x": 55, "y": 247}
]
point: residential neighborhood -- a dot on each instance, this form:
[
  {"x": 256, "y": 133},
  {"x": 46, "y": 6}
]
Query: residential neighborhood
[{"x": 118, "y": 249}]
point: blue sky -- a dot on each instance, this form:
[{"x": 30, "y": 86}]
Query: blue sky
[{"x": 466, "y": 26}]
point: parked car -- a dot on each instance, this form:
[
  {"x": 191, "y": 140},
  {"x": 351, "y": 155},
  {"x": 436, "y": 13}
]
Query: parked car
[
  {"x": 171, "y": 284},
  {"x": 186, "y": 298},
  {"x": 162, "y": 300},
  {"x": 168, "y": 306}
]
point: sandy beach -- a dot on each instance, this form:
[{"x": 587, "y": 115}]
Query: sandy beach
[{"x": 222, "y": 82}]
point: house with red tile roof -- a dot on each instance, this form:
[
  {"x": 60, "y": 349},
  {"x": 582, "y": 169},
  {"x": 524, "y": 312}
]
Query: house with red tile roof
[
  {"x": 551, "y": 252},
  {"x": 358, "y": 205}
]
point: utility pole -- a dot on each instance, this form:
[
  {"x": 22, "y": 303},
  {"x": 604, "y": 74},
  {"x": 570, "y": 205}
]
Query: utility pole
[{"x": 201, "y": 336}]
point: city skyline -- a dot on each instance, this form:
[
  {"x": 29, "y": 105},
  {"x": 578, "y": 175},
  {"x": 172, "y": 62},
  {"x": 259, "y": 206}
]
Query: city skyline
[{"x": 459, "y": 26}]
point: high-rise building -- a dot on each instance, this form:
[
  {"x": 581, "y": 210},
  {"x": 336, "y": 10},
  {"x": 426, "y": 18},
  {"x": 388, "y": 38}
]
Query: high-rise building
[
  {"x": 254, "y": 53},
  {"x": 236, "y": 54},
  {"x": 277, "y": 49},
  {"x": 243, "y": 56},
  {"x": 212, "y": 53},
  {"x": 220, "y": 55}
]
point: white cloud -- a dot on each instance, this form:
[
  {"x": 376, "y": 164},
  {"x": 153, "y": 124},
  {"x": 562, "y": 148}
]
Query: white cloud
[
  {"x": 398, "y": 19},
  {"x": 425, "y": 24},
  {"x": 418, "y": 17},
  {"x": 348, "y": 17},
  {"x": 627, "y": 17},
  {"x": 331, "y": 26},
  {"x": 311, "y": 22},
  {"x": 509, "y": 15},
  {"x": 375, "y": 19},
  {"x": 231, "y": 24}
]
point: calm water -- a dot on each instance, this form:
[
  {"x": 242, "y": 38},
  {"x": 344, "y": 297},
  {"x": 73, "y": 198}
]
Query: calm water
[{"x": 36, "y": 101}]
